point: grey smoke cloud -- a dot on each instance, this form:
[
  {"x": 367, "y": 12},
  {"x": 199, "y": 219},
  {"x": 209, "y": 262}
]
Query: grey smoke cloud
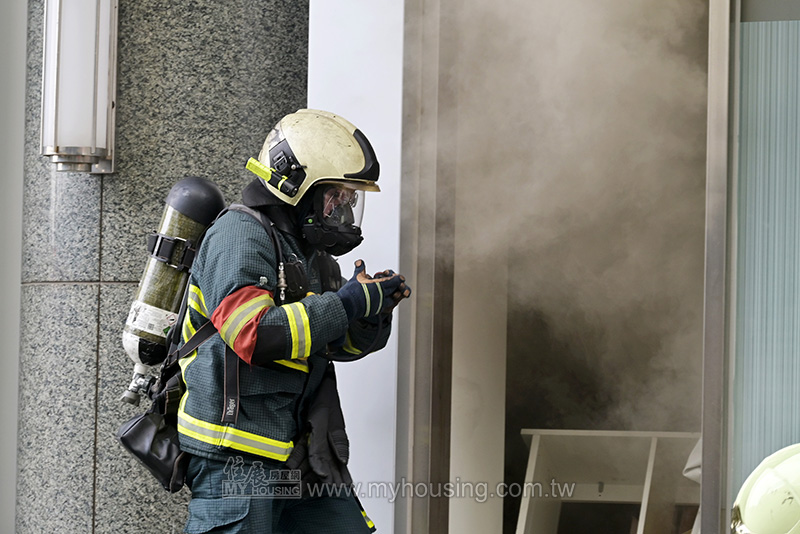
[
  {"x": 579, "y": 138},
  {"x": 601, "y": 156}
]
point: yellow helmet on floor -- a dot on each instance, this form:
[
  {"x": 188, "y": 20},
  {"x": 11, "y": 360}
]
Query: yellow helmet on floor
[{"x": 769, "y": 500}]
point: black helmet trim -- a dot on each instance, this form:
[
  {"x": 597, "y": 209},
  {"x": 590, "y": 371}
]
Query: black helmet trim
[{"x": 371, "y": 168}]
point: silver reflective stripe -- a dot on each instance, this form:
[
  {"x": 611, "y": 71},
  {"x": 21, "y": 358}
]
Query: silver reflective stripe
[
  {"x": 229, "y": 439},
  {"x": 302, "y": 333},
  {"x": 300, "y": 330},
  {"x": 196, "y": 300},
  {"x": 366, "y": 298},
  {"x": 230, "y": 330}
]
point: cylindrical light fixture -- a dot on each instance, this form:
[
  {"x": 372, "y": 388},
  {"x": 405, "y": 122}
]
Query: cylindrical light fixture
[{"x": 79, "y": 84}]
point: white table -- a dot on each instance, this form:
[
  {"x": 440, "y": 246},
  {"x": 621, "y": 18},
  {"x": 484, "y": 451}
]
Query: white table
[{"x": 605, "y": 466}]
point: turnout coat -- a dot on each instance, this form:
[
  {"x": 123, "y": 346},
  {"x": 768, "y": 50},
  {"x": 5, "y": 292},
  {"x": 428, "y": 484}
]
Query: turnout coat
[{"x": 282, "y": 349}]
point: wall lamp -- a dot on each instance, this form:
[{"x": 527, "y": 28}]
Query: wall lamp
[{"x": 79, "y": 84}]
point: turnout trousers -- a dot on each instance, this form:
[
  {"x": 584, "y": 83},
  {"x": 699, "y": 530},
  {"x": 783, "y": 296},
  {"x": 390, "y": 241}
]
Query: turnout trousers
[{"x": 261, "y": 497}]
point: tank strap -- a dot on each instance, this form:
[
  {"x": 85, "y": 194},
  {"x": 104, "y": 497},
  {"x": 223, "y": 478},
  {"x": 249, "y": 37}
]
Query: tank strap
[{"x": 174, "y": 251}]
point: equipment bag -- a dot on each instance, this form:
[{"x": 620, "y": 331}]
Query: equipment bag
[{"x": 152, "y": 437}]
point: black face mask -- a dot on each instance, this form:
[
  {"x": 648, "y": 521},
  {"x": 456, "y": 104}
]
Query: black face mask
[{"x": 329, "y": 225}]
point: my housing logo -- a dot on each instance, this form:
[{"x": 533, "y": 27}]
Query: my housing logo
[{"x": 253, "y": 480}]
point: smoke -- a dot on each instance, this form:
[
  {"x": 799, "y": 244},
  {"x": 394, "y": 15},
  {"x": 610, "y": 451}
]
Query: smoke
[
  {"x": 598, "y": 169},
  {"x": 581, "y": 148}
]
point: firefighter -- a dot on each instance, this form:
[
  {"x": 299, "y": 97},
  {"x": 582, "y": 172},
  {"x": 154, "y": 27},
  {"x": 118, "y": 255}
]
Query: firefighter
[{"x": 265, "y": 278}]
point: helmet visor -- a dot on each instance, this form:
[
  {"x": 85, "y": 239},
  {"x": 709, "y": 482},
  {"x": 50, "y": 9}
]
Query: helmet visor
[{"x": 340, "y": 206}]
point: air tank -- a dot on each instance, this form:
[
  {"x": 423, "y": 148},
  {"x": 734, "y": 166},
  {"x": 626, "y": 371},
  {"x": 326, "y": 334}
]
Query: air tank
[{"x": 191, "y": 205}]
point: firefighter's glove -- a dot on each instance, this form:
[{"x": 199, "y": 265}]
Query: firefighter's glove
[
  {"x": 328, "y": 454},
  {"x": 402, "y": 292},
  {"x": 365, "y": 296},
  {"x": 298, "y": 459},
  {"x": 322, "y": 453}
]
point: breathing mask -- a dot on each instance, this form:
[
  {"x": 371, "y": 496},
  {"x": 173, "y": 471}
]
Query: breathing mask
[{"x": 333, "y": 224}]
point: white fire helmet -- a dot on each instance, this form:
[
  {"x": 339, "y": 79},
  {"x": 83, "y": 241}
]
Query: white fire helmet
[
  {"x": 324, "y": 155},
  {"x": 769, "y": 500},
  {"x": 311, "y": 147}
]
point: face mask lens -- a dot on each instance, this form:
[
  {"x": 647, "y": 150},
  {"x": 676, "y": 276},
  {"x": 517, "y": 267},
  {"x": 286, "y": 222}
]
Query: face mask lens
[{"x": 341, "y": 206}]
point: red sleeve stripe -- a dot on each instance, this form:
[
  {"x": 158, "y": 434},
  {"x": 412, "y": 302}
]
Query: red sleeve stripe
[{"x": 237, "y": 318}]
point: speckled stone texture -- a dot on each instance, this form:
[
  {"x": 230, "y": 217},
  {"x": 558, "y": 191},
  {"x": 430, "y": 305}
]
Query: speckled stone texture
[
  {"x": 200, "y": 84},
  {"x": 128, "y": 500},
  {"x": 57, "y": 390}
]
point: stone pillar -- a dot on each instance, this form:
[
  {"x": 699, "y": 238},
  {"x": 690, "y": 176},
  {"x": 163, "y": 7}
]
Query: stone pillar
[{"x": 199, "y": 85}]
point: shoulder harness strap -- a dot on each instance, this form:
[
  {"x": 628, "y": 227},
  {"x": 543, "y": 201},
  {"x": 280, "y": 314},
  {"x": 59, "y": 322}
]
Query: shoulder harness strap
[{"x": 230, "y": 410}]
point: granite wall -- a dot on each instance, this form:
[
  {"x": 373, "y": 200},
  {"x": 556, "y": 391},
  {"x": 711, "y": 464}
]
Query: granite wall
[{"x": 199, "y": 85}]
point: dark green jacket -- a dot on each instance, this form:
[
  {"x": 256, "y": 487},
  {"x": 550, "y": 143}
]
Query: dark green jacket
[{"x": 282, "y": 349}]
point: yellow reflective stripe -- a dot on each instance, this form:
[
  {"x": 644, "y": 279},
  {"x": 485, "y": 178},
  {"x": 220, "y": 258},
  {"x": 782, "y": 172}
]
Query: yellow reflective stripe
[
  {"x": 366, "y": 296},
  {"x": 300, "y": 365},
  {"x": 292, "y": 329},
  {"x": 196, "y": 301},
  {"x": 184, "y": 363},
  {"x": 228, "y": 436},
  {"x": 188, "y": 332},
  {"x": 188, "y": 328},
  {"x": 370, "y": 524},
  {"x": 300, "y": 330},
  {"x": 235, "y": 322},
  {"x": 306, "y": 331},
  {"x": 348, "y": 345}
]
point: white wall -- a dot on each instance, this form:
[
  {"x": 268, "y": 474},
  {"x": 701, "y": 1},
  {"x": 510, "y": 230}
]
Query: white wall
[
  {"x": 355, "y": 70},
  {"x": 12, "y": 115}
]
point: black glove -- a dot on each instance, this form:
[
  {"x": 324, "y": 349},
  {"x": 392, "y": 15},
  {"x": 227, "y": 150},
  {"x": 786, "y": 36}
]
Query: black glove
[
  {"x": 365, "y": 296},
  {"x": 322, "y": 453},
  {"x": 402, "y": 292}
]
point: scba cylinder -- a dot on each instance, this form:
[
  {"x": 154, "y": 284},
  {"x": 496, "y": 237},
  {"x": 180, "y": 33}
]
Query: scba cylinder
[{"x": 191, "y": 205}]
